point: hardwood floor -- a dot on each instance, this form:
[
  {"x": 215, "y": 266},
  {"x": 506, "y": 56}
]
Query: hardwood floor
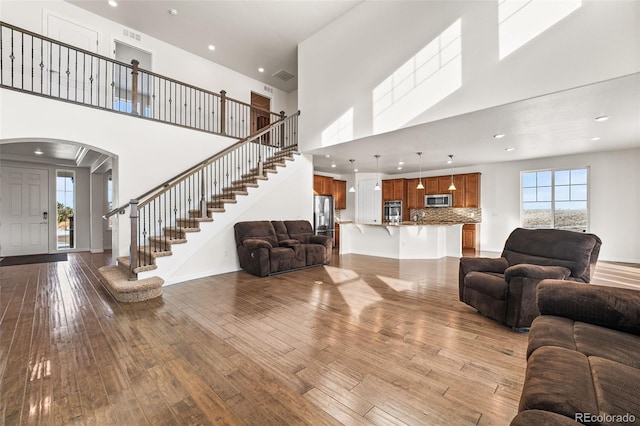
[{"x": 363, "y": 341}]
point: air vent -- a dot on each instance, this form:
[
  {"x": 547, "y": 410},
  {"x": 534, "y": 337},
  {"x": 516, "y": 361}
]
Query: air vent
[{"x": 283, "y": 75}]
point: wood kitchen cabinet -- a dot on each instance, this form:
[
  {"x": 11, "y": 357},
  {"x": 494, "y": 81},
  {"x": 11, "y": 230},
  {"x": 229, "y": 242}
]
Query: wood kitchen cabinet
[
  {"x": 394, "y": 189},
  {"x": 430, "y": 186},
  {"x": 459, "y": 195},
  {"x": 340, "y": 194},
  {"x": 472, "y": 190},
  {"x": 469, "y": 237},
  {"x": 415, "y": 197},
  {"x": 322, "y": 185}
]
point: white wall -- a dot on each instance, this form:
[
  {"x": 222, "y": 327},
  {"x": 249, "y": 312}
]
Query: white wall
[
  {"x": 287, "y": 195},
  {"x": 167, "y": 60},
  {"x": 340, "y": 65}
]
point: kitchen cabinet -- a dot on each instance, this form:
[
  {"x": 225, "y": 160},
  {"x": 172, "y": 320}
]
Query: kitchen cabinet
[
  {"x": 394, "y": 189},
  {"x": 469, "y": 236},
  {"x": 472, "y": 190},
  {"x": 322, "y": 185},
  {"x": 443, "y": 184},
  {"x": 459, "y": 195},
  {"x": 340, "y": 194},
  {"x": 415, "y": 197},
  {"x": 431, "y": 186}
]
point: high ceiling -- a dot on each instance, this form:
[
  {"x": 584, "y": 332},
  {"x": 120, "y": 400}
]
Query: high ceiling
[
  {"x": 561, "y": 123},
  {"x": 247, "y": 35}
]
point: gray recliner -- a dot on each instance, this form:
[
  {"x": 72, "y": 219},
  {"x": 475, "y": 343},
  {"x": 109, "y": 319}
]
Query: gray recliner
[{"x": 504, "y": 288}]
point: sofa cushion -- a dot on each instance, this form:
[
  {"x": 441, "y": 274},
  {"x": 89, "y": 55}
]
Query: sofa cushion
[
  {"x": 315, "y": 254},
  {"x": 259, "y": 229},
  {"x": 589, "y": 339},
  {"x": 541, "y": 418},
  {"x": 616, "y": 387},
  {"x": 491, "y": 284},
  {"x": 282, "y": 259},
  {"x": 300, "y": 230},
  {"x": 280, "y": 230},
  {"x": 559, "y": 380},
  {"x": 547, "y": 247},
  {"x": 548, "y": 330}
]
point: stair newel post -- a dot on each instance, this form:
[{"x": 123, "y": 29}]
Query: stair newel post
[
  {"x": 282, "y": 117},
  {"x": 133, "y": 250},
  {"x": 223, "y": 112},
  {"x": 134, "y": 87},
  {"x": 203, "y": 199}
]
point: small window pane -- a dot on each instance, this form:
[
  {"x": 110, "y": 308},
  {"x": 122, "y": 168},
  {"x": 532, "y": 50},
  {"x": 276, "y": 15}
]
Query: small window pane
[
  {"x": 562, "y": 193},
  {"x": 528, "y": 194},
  {"x": 562, "y": 177},
  {"x": 578, "y": 192},
  {"x": 579, "y": 176},
  {"x": 544, "y": 178},
  {"x": 544, "y": 193},
  {"x": 528, "y": 180}
]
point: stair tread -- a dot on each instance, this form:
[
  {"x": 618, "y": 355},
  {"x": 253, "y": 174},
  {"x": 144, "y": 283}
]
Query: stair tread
[{"x": 124, "y": 290}]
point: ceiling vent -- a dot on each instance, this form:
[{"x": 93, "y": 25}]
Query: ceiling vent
[{"x": 283, "y": 75}]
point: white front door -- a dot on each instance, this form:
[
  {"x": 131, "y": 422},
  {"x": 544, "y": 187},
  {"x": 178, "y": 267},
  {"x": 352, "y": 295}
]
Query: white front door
[{"x": 24, "y": 215}]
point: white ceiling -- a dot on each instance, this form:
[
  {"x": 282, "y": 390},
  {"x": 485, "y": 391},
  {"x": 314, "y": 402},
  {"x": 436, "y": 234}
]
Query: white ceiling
[
  {"x": 55, "y": 152},
  {"x": 557, "y": 124},
  {"x": 247, "y": 35}
]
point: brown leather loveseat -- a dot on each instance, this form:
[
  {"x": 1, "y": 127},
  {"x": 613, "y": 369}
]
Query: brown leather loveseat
[
  {"x": 504, "y": 288},
  {"x": 271, "y": 247}
]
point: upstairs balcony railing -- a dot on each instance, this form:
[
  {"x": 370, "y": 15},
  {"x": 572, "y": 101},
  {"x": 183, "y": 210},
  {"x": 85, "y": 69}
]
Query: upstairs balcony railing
[{"x": 39, "y": 65}]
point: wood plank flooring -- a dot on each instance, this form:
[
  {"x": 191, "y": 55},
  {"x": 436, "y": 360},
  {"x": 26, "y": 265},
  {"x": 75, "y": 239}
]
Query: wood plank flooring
[{"x": 362, "y": 341}]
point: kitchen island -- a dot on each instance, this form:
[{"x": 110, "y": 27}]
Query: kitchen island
[{"x": 406, "y": 240}]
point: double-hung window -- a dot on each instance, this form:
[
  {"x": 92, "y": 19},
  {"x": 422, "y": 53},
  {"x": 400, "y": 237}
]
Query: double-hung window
[{"x": 555, "y": 199}]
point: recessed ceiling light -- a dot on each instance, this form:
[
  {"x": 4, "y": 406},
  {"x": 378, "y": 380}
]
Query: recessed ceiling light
[
  {"x": 260, "y": 69},
  {"x": 595, "y": 138},
  {"x": 399, "y": 167},
  {"x": 400, "y": 163},
  {"x": 173, "y": 12},
  {"x": 113, "y": 3},
  {"x": 499, "y": 136},
  {"x": 38, "y": 152},
  {"x": 355, "y": 170},
  {"x": 602, "y": 118},
  {"x": 327, "y": 156},
  {"x": 509, "y": 148},
  {"x": 333, "y": 165},
  {"x": 449, "y": 161},
  {"x": 212, "y": 47}
]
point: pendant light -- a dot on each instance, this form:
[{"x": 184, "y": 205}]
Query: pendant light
[
  {"x": 420, "y": 185},
  {"x": 353, "y": 188},
  {"x": 452, "y": 187},
  {"x": 377, "y": 187}
]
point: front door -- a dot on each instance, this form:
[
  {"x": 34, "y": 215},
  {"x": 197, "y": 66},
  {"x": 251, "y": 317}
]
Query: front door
[{"x": 24, "y": 216}]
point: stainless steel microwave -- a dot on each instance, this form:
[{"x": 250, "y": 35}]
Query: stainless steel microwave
[{"x": 439, "y": 200}]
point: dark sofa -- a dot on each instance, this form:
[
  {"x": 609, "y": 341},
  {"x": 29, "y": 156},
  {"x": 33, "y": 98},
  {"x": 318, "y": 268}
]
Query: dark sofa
[
  {"x": 583, "y": 357},
  {"x": 271, "y": 247},
  {"x": 504, "y": 288}
]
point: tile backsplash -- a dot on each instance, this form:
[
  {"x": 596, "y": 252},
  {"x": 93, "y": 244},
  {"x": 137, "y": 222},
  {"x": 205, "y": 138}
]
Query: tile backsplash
[{"x": 446, "y": 214}]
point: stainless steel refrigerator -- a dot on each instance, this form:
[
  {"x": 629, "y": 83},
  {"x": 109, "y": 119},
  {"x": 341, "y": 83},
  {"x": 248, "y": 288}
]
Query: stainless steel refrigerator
[{"x": 323, "y": 215}]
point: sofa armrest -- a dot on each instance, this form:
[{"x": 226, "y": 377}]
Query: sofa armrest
[
  {"x": 255, "y": 243},
  {"x": 483, "y": 264},
  {"x": 320, "y": 239},
  {"x": 526, "y": 270},
  {"x": 611, "y": 307},
  {"x": 289, "y": 243}
]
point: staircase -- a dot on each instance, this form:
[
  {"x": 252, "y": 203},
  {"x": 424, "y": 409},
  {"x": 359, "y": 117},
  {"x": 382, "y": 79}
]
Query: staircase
[{"x": 189, "y": 208}]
